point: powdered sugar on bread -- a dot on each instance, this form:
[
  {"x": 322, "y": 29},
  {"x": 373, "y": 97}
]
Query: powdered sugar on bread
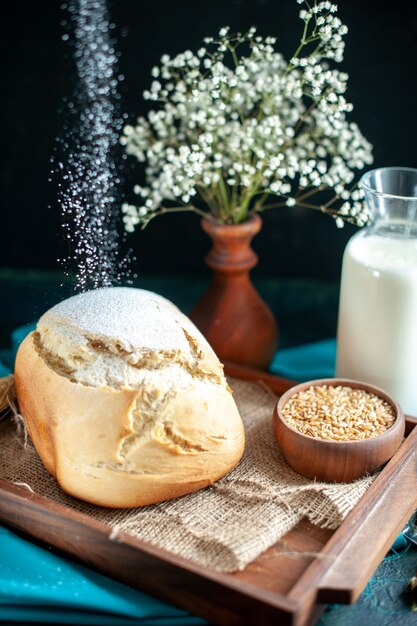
[
  {"x": 119, "y": 336},
  {"x": 136, "y": 318}
]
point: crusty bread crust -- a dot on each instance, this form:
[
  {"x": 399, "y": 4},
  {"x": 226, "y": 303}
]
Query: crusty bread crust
[{"x": 103, "y": 447}]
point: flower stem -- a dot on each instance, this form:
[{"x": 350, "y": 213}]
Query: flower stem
[
  {"x": 311, "y": 192},
  {"x": 177, "y": 209},
  {"x": 301, "y": 45},
  {"x": 224, "y": 197}
]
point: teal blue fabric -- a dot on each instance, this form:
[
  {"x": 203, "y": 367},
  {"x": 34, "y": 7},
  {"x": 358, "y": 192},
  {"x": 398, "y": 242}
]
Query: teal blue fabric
[
  {"x": 36, "y": 586},
  {"x": 3, "y": 369},
  {"x": 309, "y": 362},
  {"x": 7, "y": 357}
]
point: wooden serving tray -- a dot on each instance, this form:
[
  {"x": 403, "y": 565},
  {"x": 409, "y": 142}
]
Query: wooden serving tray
[{"x": 280, "y": 586}]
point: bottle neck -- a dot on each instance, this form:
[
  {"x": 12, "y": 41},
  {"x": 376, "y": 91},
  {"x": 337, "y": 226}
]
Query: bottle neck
[{"x": 399, "y": 229}]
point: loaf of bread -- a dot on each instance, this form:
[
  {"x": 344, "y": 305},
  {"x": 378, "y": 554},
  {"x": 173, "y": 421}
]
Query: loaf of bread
[{"x": 125, "y": 401}]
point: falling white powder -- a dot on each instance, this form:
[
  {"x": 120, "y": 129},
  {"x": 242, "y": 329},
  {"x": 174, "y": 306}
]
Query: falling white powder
[{"x": 89, "y": 181}]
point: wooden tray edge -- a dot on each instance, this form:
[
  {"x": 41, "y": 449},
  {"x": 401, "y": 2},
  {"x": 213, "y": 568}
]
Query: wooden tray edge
[{"x": 318, "y": 584}]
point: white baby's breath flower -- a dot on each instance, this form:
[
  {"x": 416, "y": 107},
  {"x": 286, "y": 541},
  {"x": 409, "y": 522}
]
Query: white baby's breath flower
[{"x": 227, "y": 130}]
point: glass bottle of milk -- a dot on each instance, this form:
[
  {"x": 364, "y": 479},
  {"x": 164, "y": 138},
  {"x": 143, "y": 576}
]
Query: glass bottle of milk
[{"x": 377, "y": 327}]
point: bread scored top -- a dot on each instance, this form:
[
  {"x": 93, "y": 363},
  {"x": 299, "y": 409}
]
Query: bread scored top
[{"x": 125, "y": 400}]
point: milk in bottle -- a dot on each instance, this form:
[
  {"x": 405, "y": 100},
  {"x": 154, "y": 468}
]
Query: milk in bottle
[{"x": 377, "y": 327}]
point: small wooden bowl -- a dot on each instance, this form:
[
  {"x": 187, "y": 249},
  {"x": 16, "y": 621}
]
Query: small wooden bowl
[{"x": 336, "y": 461}]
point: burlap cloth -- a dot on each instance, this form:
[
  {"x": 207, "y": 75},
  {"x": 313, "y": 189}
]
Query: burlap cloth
[{"x": 224, "y": 526}]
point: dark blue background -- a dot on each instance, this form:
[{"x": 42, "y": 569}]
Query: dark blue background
[{"x": 381, "y": 56}]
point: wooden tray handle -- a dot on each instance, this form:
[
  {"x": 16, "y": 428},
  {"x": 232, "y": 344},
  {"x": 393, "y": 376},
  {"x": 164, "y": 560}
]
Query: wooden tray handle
[{"x": 356, "y": 561}]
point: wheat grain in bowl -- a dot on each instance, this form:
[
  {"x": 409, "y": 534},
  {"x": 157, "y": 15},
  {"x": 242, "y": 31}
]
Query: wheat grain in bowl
[
  {"x": 337, "y": 430},
  {"x": 339, "y": 413}
]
